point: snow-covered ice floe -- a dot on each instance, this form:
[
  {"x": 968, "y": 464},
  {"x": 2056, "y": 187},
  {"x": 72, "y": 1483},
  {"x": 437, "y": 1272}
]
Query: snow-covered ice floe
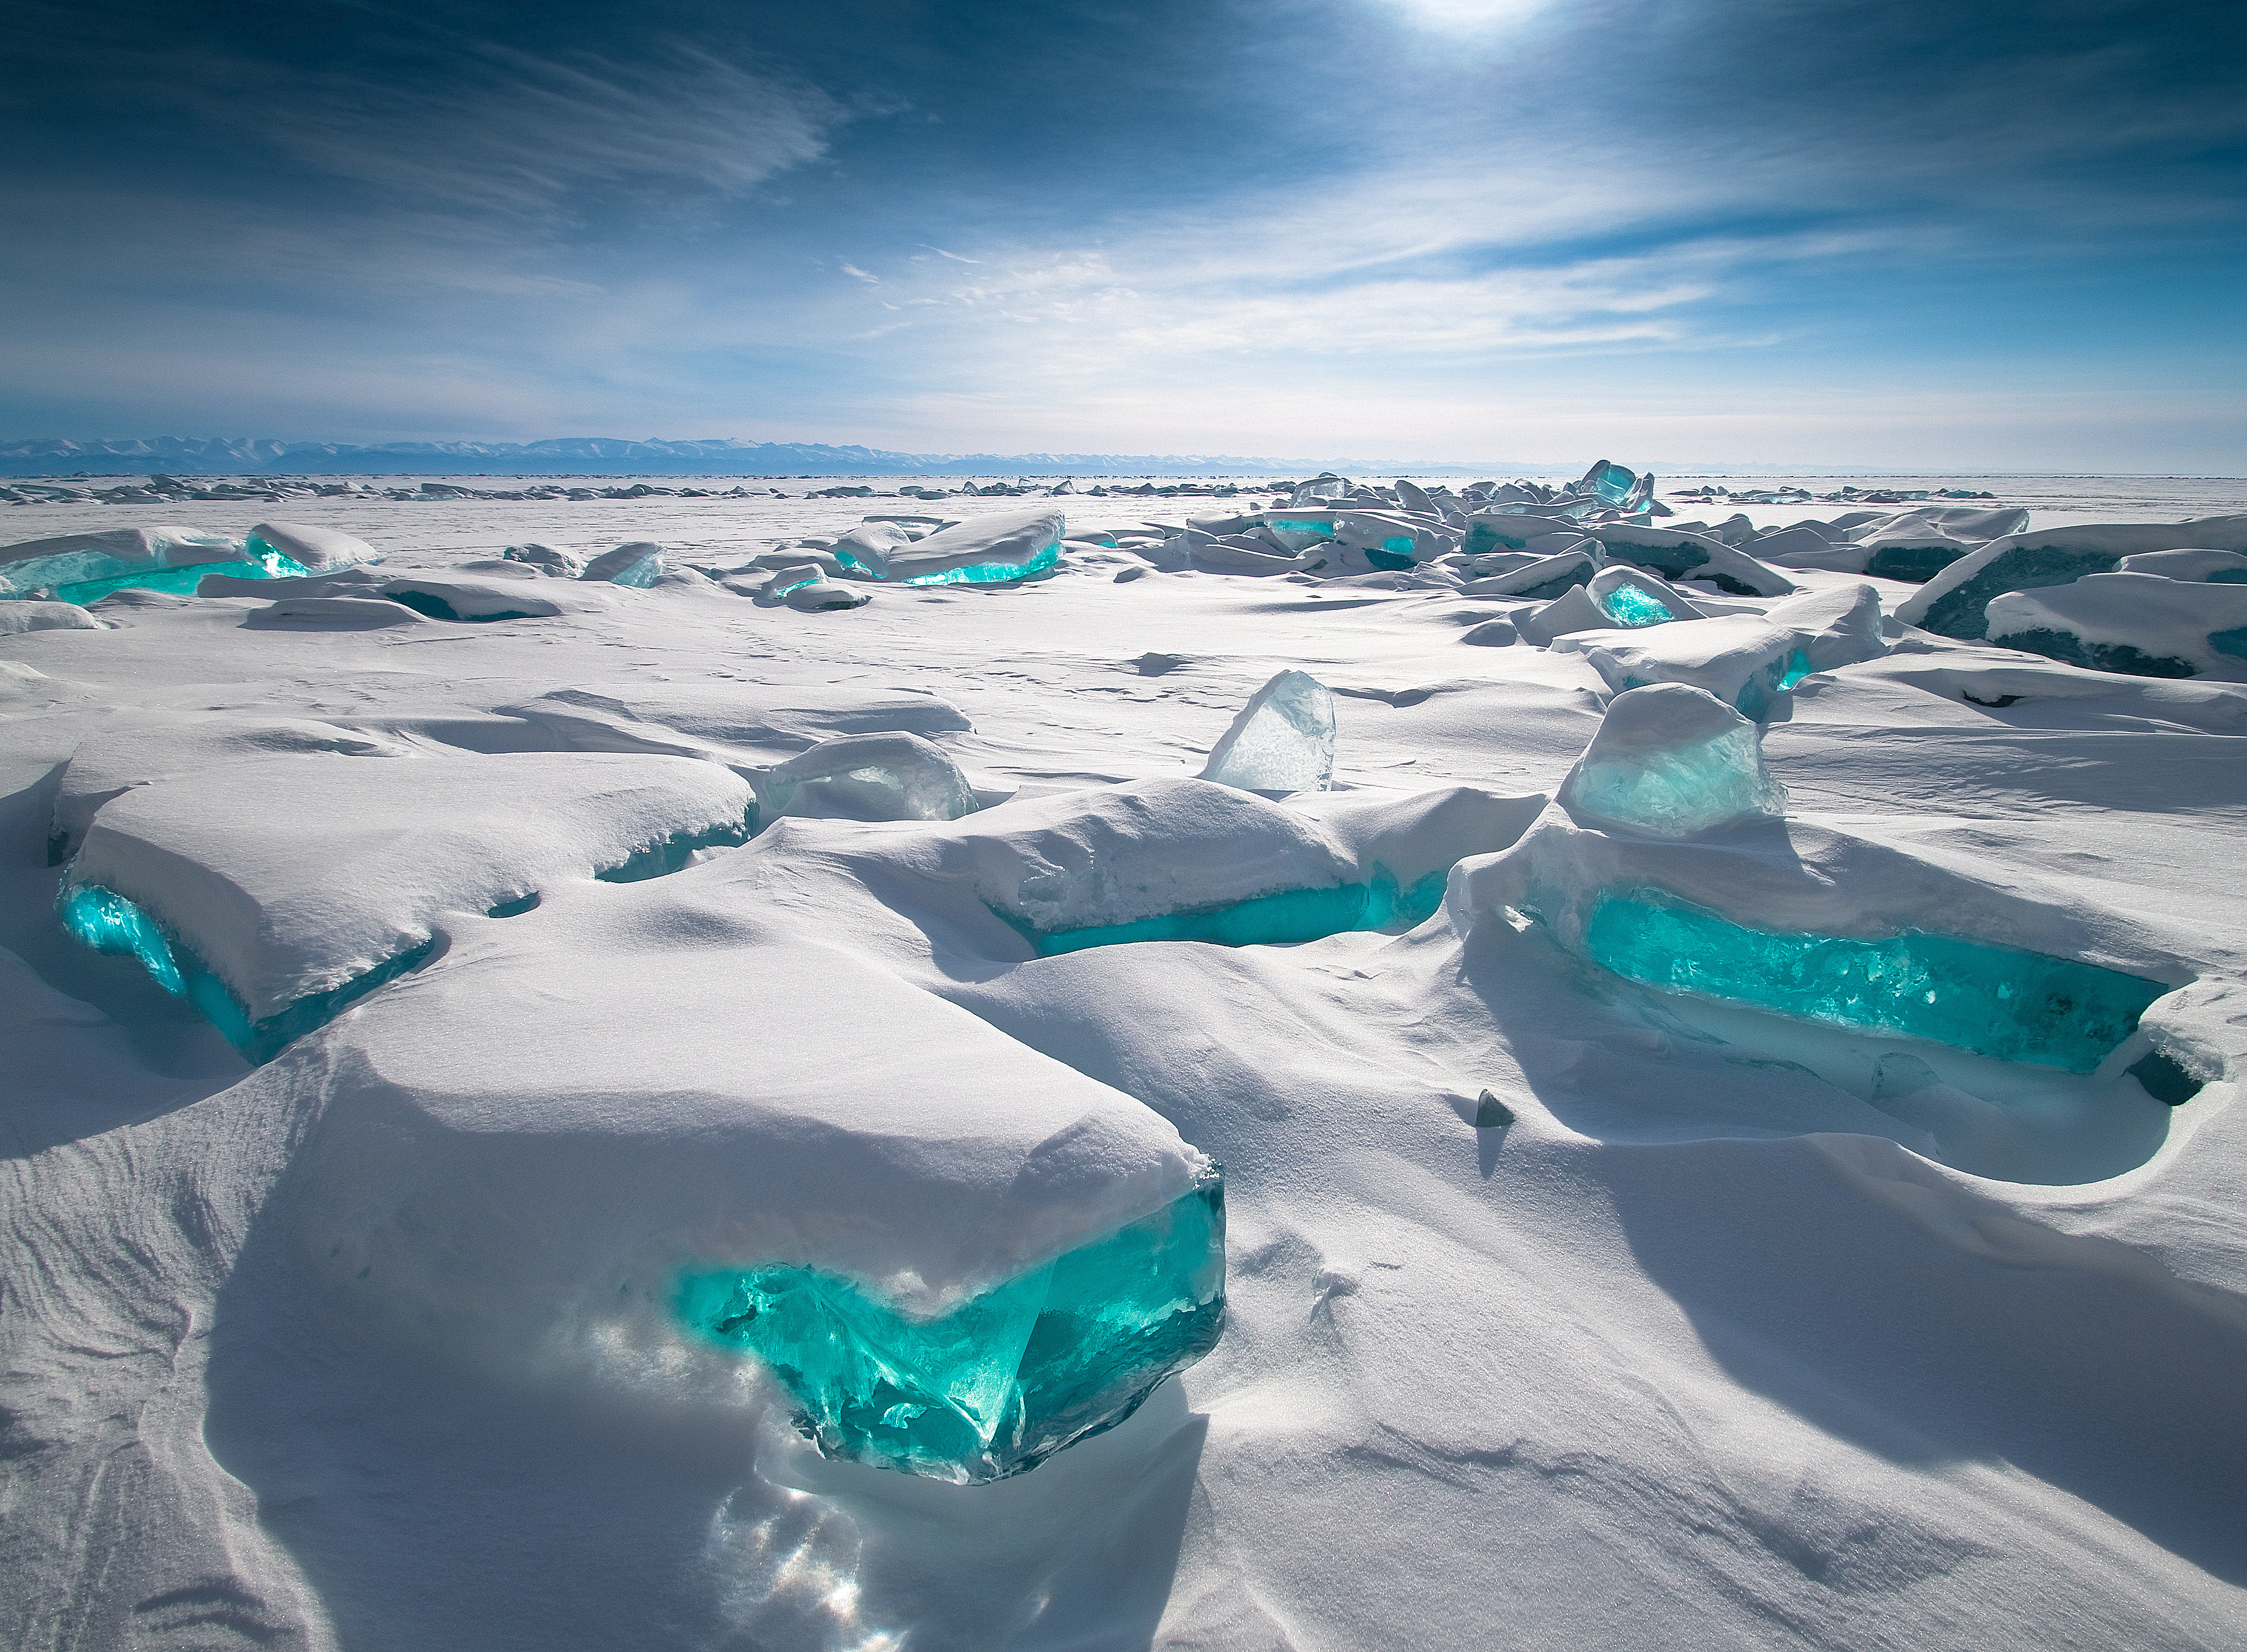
[{"x": 1171, "y": 1080}]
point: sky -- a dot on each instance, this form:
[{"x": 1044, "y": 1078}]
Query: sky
[{"x": 1933, "y": 237}]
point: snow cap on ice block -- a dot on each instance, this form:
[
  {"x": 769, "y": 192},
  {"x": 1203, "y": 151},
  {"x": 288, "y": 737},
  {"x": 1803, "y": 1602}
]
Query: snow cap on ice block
[
  {"x": 990, "y": 550},
  {"x": 319, "y": 551},
  {"x": 294, "y": 884}
]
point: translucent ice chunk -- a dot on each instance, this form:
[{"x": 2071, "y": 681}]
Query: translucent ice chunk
[
  {"x": 1003, "y": 1381},
  {"x": 1630, "y": 605},
  {"x": 869, "y": 777},
  {"x": 639, "y": 564},
  {"x": 1610, "y": 483},
  {"x": 1282, "y": 740},
  {"x": 1996, "y": 1001},
  {"x": 1671, "y": 760}
]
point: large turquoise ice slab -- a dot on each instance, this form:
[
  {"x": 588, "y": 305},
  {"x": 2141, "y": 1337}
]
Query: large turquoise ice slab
[
  {"x": 1004, "y": 1381},
  {"x": 1996, "y": 1001},
  {"x": 1283, "y": 919}
]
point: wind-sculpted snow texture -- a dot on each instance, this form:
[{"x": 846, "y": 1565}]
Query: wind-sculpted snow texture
[{"x": 1309, "y": 1066}]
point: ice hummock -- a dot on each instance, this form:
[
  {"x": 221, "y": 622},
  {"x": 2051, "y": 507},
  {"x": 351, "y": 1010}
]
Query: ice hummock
[
  {"x": 1282, "y": 740},
  {"x": 290, "y": 880},
  {"x": 1672, "y": 761},
  {"x": 2141, "y": 624},
  {"x": 995, "y": 548},
  {"x": 1953, "y": 603},
  {"x": 1004, "y": 1380},
  {"x": 893, "y": 777}
]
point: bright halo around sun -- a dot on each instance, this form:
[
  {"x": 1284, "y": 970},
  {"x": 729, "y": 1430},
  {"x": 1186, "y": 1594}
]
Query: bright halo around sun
[{"x": 1464, "y": 16}]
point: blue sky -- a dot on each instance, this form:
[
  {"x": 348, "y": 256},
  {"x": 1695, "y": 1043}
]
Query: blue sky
[{"x": 1936, "y": 236}]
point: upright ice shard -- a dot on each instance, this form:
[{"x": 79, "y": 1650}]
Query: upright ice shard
[
  {"x": 1004, "y": 1381},
  {"x": 1671, "y": 761},
  {"x": 1283, "y": 740},
  {"x": 1610, "y": 483},
  {"x": 868, "y": 777}
]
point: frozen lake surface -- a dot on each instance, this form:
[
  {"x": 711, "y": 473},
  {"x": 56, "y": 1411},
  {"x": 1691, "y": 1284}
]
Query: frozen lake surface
[{"x": 1582, "y": 1284}]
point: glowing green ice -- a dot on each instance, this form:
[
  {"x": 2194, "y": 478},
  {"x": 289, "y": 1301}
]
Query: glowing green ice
[
  {"x": 1635, "y": 605},
  {"x": 1996, "y": 1001},
  {"x": 1283, "y": 919},
  {"x": 179, "y": 581},
  {"x": 981, "y": 573},
  {"x": 109, "y": 923},
  {"x": 1006, "y": 1380}
]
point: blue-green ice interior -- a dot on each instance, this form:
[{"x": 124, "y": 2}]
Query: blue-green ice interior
[
  {"x": 981, "y": 573},
  {"x": 179, "y": 581},
  {"x": 1634, "y": 606},
  {"x": 109, "y": 922},
  {"x": 1002, "y": 1382},
  {"x": 1281, "y": 920},
  {"x": 1996, "y": 1001}
]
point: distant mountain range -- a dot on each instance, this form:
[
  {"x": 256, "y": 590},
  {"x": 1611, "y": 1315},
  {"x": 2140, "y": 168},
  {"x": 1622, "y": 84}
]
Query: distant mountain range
[{"x": 607, "y": 456}]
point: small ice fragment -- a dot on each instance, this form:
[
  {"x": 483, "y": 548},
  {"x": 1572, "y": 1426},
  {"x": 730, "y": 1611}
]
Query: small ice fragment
[
  {"x": 1283, "y": 740},
  {"x": 1671, "y": 761},
  {"x": 637, "y": 563},
  {"x": 869, "y": 777}
]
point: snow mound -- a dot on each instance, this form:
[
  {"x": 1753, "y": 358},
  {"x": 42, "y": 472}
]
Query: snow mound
[
  {"x": 1677, "y": 555},
  {"x": 317, "y": 549},
  {"x": 867, "y": 777},
  {"x": 745, "y": 725},
  {"x": 994, "y": 549},
  {"x": 1952, "y": 603},
  {"x": 158, "y": 745},
  {"x": 39, "y": 615},
  {"x": 293, "y": 880},
  {"x": 2145, "y": 624},
  {"x": 541, "y": 1191}
]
